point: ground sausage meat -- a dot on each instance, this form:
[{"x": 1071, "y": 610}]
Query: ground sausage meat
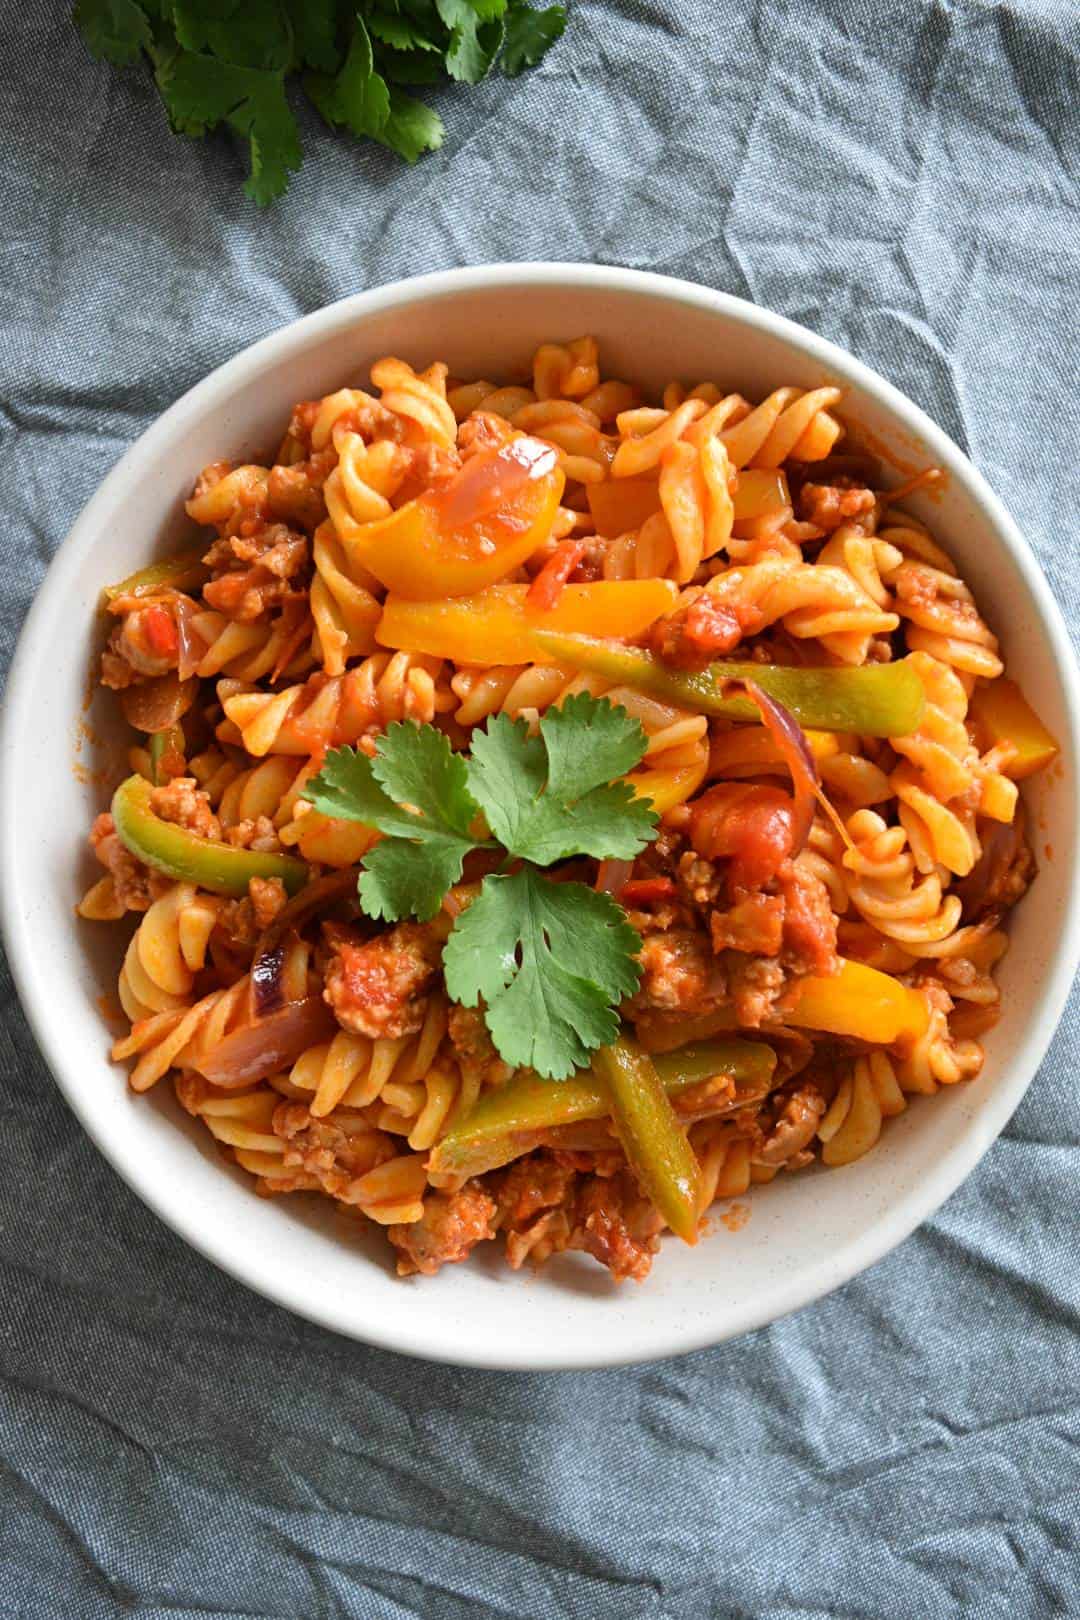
[
  {"x": 809, "y": 922},
  {"x": 679, "y": 973},
  {"x": 380, "y": 987},
  {"x": 452, "y": 1225},
  {"x": 794, "y": 1129},
  {"x": 473, "y": 1044},
  {"x": 827, "y": 506},
  {"x": 336, "y": 1153},
  {"x": 133, "y": 883},
  {"x": 183, "y": 802},
  {"x": 617, "y": 1225},
  {"x": 706, "y": 628}
]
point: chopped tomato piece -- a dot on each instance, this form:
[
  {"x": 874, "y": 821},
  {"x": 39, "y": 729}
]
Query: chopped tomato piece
[
  {"x": 548, "y": 585},
  {"x": 159, "y": 628},
  {"x": 750, "y": 824},
  {"x": 645, "y": 891}
]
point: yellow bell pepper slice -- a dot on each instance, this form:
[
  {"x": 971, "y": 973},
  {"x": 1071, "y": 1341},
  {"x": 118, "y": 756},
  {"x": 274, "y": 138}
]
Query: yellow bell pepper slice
[
  {"x": 760, "y": 491},
  {"x": 671, "y": 786},
  {"x": 1005, "y": 715},
  {"x": 474, "y": 530},
  {"x": 858, "y": 1001},
  {"x": 621, "y": 505},
  {"x": 494, "y": 627},
  {"x": 753, "y": 746}
]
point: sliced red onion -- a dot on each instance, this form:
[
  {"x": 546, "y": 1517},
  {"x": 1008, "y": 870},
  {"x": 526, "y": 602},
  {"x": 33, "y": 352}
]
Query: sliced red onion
[
  {"x": 1001, "y": 842},
  {"x": 267, "y": 989},
  {"x": 268, "y": 982},
  {"x": 790, "y": 738},
  {"x": 192, "y": 648},
  {"x": 261, "y": 1048},
  {"x": 612, "y": 877},
  {"x": 157, "y": 704}
]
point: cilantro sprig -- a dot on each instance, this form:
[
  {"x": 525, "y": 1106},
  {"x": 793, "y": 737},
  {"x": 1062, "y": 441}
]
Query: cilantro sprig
[
  {"x": 229, "y": 62},
  {"x": 549, "y": 961}
]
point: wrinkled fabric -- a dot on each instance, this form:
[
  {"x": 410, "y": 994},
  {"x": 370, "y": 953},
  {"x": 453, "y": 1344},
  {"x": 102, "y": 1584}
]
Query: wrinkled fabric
[{"x": 902, "y": 179}]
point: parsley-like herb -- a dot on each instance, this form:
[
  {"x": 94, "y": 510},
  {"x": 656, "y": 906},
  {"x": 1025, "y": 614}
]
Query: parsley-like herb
[
  {"x": 229, "y": 64},
  {"x": 549, "y": 960}
]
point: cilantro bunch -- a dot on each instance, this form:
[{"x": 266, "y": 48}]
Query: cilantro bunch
[
  {"x": 549, "y": 960},
  {"x": 228, "y": 62}
]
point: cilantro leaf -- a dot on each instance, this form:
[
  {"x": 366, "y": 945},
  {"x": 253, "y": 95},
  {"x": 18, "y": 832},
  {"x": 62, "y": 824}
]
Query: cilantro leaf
[
  {"x": 421, "y": 855},
  {"x": 529, "y": 34},
  {"x": 358, "y": 97},
  {"x": 409, "y": 880},
  {"x": 403, "y": 33},
  {"x": 412, "y": 128},
  {"x": 201, "y": 92},
  {"x": 225, "y": 62},
  {"x": 415, "y": 765},
  {"x": 551, "y": 962},
  {"x": 548, "y": 797},
  {"x": 589, "y": 741},
  {"x": 507, "y": 773},
  {"x": 476, "y": 35},
  {"x": 117, "y": 30},
  {"x": 314, "y": 26},
  {"x": 244, "y": 33}
]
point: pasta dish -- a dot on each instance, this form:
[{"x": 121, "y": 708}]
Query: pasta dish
[{"x": 551, "y": 812}]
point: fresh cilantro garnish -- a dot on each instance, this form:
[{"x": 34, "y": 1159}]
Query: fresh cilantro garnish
[
  {"x": 548, "y": 797},
  {"x": 420, "y": 855},
  {"x": 529, "y": 33},
  {"x": 228, "y": 62},
  {"x": 549, "y": 960}
]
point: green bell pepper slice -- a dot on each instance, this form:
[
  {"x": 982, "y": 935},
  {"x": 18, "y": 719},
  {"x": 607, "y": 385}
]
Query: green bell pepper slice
[
  {"x": 510, "y": 1121},
  {"x": 178, "y": 573},
  {"x": 875, "y": 700},
  {"x": 181, "y": 854},
  {"x": 653, "y": 1139}
]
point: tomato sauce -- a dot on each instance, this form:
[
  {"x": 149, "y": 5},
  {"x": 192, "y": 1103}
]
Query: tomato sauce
[{"x": 485, "y": 495}]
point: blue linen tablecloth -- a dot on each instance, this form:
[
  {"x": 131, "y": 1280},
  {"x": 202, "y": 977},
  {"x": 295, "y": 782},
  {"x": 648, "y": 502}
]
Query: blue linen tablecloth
[{"x": 901, "y": 178}]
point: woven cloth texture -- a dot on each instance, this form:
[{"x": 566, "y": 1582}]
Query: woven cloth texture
[{"x": 901, "y": 178}]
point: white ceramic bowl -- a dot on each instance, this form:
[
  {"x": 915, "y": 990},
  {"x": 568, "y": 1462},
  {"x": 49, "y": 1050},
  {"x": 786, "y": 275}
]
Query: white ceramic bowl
[{"x": 807, "y": 1233}]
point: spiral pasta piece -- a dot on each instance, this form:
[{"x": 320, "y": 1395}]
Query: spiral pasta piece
[
  {"x": 166, "y": 951},
  {"x": 868, "y": 1095},
  {"x": 418, "y": 399},
  {"x": 251, "y": 651},
  {"x": 330, "y": 710},
  {"x": 942, "y": 781},
  {"x": 345, "y": 604},
  {"x": 525, "y": 691},
  {"x": 220, "y": 502},
  {"x": 567, "y": 371},
  {"x": 886, "y": 888},
  {"x": 940, "y": 612}
]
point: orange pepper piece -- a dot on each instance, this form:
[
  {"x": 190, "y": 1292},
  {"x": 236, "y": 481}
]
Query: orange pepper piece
[
  {"x": 476, "y": 529},
  {"x": 858, "y": 1001},
  {"x": 759, "y": 492},
  {"x": 1004, "y": 714},
  {"x": 620, "y": 505},
  {"x": 495, "y": 626}
]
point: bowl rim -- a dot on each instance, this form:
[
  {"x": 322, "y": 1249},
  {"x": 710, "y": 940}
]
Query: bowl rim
[{"x": 864, "y": 1248}]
